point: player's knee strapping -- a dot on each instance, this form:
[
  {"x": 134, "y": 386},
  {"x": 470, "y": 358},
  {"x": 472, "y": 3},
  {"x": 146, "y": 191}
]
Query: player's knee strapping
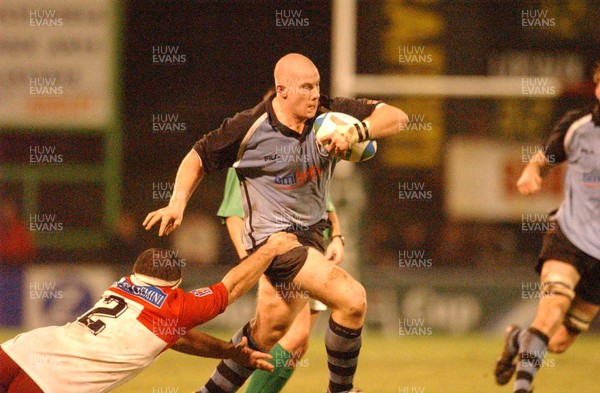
[
  {"x": 557, "y": 285},
  {"x": 578, "y": 320}
]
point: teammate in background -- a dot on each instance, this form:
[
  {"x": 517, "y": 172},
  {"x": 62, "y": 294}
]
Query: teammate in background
[
  {"x": 283, "y": 194},
  {"x": 137, "y": 319},
  {"x": 569, "y": 261},
  {"x": 292, "y": 347}
]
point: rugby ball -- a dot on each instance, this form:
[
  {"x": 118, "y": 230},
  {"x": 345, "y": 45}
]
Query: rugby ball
[{"x": 327, "y": 122}]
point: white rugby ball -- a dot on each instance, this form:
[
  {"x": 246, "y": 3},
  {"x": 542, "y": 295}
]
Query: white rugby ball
[{"x": 327, "y": 122}]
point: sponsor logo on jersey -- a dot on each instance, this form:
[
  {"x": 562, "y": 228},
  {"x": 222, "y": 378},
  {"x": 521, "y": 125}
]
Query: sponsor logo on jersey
[
  {"x": 271, "y": 157},
  {"x": 589, "y": 163},
  {"x": 200, "y": 292},
  {"x": 591, "y": 179},
  {"x": 152, "y": 295},
  {"x": 297, "y": 179}
]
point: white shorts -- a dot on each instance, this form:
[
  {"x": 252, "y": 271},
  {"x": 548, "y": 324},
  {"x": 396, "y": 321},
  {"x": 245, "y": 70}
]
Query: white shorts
[{"x": 316, "y": 305}]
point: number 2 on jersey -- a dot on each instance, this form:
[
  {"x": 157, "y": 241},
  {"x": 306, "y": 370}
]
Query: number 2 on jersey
[{"x": 117, "y": 306}]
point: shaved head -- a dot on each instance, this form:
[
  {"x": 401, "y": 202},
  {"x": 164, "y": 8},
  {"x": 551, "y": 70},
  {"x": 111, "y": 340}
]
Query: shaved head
[
  {"x": 291, "y": 68},
  {"x": 297, "y": 84}
]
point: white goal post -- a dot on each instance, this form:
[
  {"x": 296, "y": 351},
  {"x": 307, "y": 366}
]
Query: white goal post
[{"x": 347, "y": 83}]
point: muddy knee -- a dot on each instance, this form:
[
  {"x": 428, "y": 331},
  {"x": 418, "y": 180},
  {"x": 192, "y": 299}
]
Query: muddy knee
[{"x": 356, "y": 304}]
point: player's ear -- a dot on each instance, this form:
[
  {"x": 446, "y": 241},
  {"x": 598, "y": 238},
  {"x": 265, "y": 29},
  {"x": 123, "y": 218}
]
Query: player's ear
[{"x": 281, "y": 91}]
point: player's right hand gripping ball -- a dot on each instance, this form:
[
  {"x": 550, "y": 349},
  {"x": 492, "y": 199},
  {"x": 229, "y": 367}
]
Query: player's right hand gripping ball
[{"x": 327, "y": 123}]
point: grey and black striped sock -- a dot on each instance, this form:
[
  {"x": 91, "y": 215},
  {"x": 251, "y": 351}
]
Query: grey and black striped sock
[
  {"x": 343, "y": 346},
  {"x": 229, "y": 376},
  {"x": 532, "y": 349}
]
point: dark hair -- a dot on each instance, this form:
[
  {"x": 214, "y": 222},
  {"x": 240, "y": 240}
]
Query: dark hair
[{"x": 158, "y": 263}]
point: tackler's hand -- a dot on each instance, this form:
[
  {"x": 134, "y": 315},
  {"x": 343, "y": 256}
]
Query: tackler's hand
[
  {"x": 281, "y": 242},
  {"x": 170, "y": 218},
  {"x": 247, "y": 357}
]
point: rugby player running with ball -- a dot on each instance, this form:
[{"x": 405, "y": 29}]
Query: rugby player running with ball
[{"x": 287, "y": 195}]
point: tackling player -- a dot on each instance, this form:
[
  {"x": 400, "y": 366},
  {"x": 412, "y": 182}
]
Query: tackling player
[
  {"x": 137, "y": 319},
  {"x": 287, "y": 194},
  {"x": 292, "y": 347},
  {"x": 569, "y": 261}
]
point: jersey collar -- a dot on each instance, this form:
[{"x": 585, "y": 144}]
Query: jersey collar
[{"x": 282, "y": 128}]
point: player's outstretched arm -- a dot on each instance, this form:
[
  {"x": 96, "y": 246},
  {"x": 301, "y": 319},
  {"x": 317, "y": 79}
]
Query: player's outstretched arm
[
  {"x": 235, "y": 226},
  {"x": 200, "y": 344},
  {"x": 385, "y": 121},
  {"x": 530, "y": 180},
  {"x": 243, "y": 277},
  {"x": 188, "y": 177}
]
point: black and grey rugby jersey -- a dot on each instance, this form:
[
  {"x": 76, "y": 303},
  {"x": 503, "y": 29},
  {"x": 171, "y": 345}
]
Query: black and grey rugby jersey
[
  {"x": 576, "y": 139},
  {"x": 284, "y": 179}
]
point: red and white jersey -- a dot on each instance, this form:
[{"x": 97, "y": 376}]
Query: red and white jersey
[{"x": 121, "y": 335}]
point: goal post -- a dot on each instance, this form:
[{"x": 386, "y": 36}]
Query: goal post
[{"x": 347, "y": 83}]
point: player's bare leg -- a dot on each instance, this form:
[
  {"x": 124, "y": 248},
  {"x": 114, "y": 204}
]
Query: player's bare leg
[
  {"x": 346, "y": 297},
  {"x": 558, "y": 280},
  {"x": 557, "y": 292},
  {"x": 286, "y": 355},
  {"x": 577, "y": 320},
  {"x": 562, "y": 340},
  {"x": 558, "y": 284},
  {"x": 336, "y": 288},
  {"x": 295, "y": 341},
  {"x": 275, "y": 312}
]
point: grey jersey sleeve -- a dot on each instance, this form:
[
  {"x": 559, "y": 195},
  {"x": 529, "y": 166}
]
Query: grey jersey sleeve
[
  {"x": 219, "y": 148},
  {"x": 555, "y": 144}
]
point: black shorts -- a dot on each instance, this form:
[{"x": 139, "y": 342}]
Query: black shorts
[
  {"x": 556, "y": 246},
  {"x": 285, "y": 267}
]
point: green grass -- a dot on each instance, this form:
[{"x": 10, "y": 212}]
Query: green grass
[{"x": 427, "y": 364}]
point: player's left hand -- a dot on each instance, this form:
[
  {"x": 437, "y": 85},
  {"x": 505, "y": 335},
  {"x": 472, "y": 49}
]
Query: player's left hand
[
  {"x": 336, "y": 143},
  {"x": 250, "y": 358},
  {"x": 341, "y": 139},
  {"x": 335, "y": 250}
]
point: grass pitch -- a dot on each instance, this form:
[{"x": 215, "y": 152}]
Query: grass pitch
[{"x": 421, "y": 364}]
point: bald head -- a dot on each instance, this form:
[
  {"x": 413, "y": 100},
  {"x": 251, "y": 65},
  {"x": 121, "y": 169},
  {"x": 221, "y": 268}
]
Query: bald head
[
  {"x": 297, "y": 86},
  {"x": 293, "y": 67}
]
